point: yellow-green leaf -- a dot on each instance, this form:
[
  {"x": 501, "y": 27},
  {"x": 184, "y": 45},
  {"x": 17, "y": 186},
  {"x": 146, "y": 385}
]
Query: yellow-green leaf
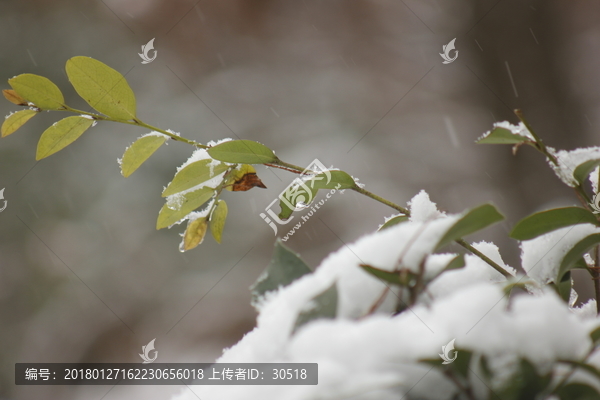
[
  {"x": 192, "y": 175},
  {"x": 38, "y": 90},
  {"x": 102, "y": 87},
  {"x": 16, "y": 120},
  {"x": 61, "y": 134},
  {"x": 217, "y": 220},
  {"x": 194, "y": 234},
  {"x": 139, "y": 152},
  {"x": 189, "y": 202},
  {"x": 242, "y": 152}
]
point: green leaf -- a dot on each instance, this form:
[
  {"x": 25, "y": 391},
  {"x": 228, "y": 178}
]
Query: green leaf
[
  {"x": 405, "y": 277},
  {"x": 16, "y": 120},
  {"x": 577, "y": 391},
  {"x": 139, "y": 152},
  {"x": 547, "y": 221},
  {"x": 584, "y": 366},
  {"x": 189, "y": 202},
  {"x": 192, "y": 175},
  {"x": 526, "y": 383},
  {"x": 61, "y": 134},
  {"x": 456, "y": 263},
  {"x": 105, "y": 89},
  {"x": 584, "y": 170},
  {"x": 595, "y": 335},
  {"x": 572, "y": 257},
  {"x": 242, "y": 152},
  {"x": 38, "y": 90},
  {"x": 473, "y": 221},
  {"x": 284, "y": 268},
  {"x": 217, "y": 220},
  {"x": 194, "y": 234},
  {"x": 321, "y": 306},
  {"x": 502, "y": 136},
  {"x": 564, "y": 287},
  {"x": 294, "y": 195},
  {"x": 462, "y": 362},
  {"x": 332, "y": 180},
  {"x": 394, "y": 221}
]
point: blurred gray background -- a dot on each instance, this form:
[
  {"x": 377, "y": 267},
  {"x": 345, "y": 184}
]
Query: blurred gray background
[{"x": 360, "y": 85}]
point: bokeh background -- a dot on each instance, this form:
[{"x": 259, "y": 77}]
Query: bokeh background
[{"x": 357, "y": 84}]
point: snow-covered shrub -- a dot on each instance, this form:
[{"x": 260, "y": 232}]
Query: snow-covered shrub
[{"x": 375, "y": 314}]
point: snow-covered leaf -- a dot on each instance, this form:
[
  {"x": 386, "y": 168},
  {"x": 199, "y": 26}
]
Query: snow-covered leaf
[
  {"x": 102, "y": 87},
  {"x": 194, "y": 174},
  {"x": 61, "y": 134},
  {"x": 284, "y": 268},
  {"x": 38, "y": 90},
  {"x": 187, "y": 203},
  {"x": 136, "y": 154},
  {"x": 242, "y": 152},
  {"x": 501, "y": 136},
  {"x": 547, "y": 221},
  {"x": 473, "y": 220},
  {"x": 16, "y": 120},
  {"x": 217, "y": 220},
  {"x": 321, "y": 306}
]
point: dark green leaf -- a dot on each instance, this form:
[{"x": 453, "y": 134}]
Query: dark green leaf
[
  {"x": 296, "y": 196},
  {"x": 404, "y": 277},
  {"x": 192, "y": 175},
  {"x": 242, "y": 152},
  {"x": 60, "y": 135},
  {"x": 547, "y": 221},
  {"x": 394, "y": 221},
  {"x": 38, "y": 90},
  {"x": 502, "y": 136},
  {"x": 456, "y": 263},
  {"x": 584, "y": 170},
  {"x": 284, "y": 268},
  {"x": 564, "y": 287},
  {"x": 526, "y": 383},
  {"x": 577, "y": 391},
  {"x": 332, "y": 180},
  {"x": 574, "y": 255},
  {"x": 462, "y": 362},
  {"x": 595, "y": 335},
  {"x": 321, "y": 306},
  {"x": 102, "y": 87},
  {"x": 189, "y": 202},
  {"x": 473, "y": 221}
]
